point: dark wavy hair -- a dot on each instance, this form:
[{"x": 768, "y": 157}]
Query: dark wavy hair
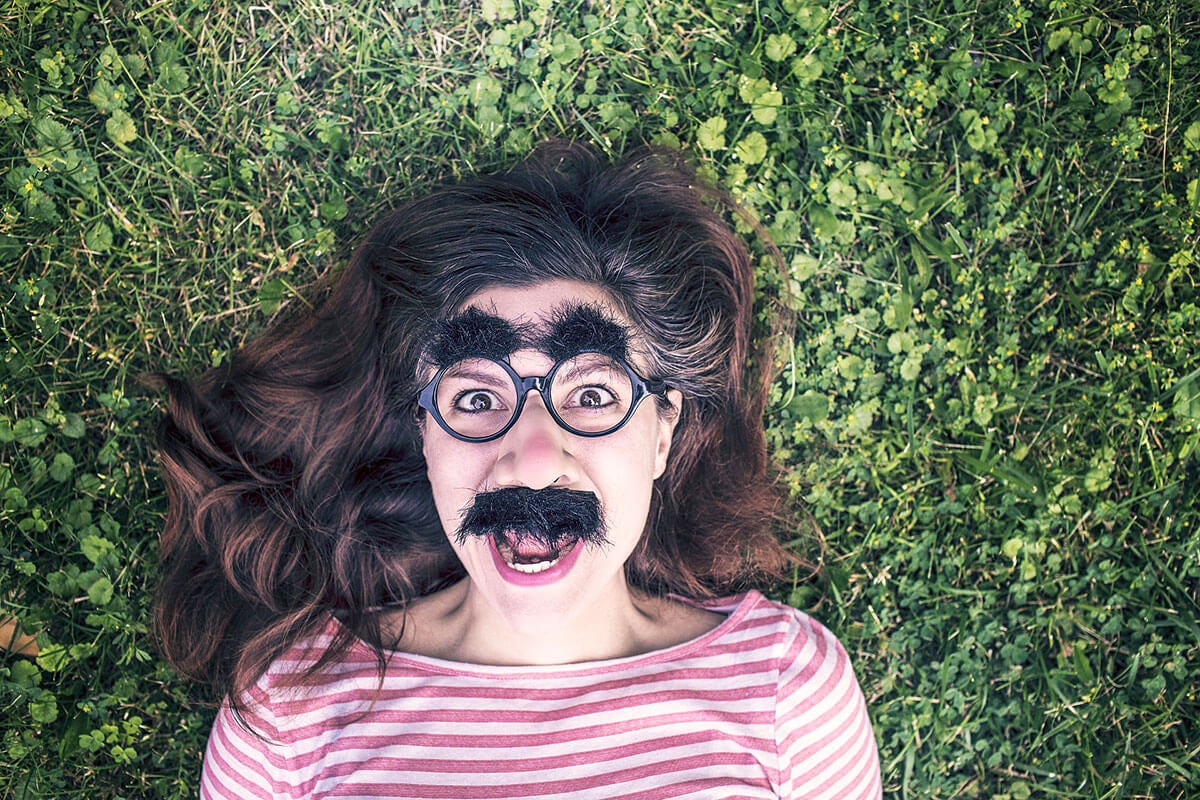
[{"x": 294, "y": 473}]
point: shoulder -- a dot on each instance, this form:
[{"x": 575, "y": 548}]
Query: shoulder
[
  {"x": 805, "y": 644},
  {"x": 807, "y": 662},
  {"x": 791, "y": 634},
  {"x": 269, "y": 743},
  {"x": 780, "y": 644},
  {"x": 824, "y": 739},
  {"x": 291, "y": 696},
  {"x": 812, "y": 663}
]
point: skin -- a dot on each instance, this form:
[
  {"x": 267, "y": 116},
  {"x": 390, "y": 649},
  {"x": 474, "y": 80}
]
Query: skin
[{"x": 590, "y": 613}]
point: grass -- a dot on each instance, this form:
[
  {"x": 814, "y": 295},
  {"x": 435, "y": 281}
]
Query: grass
[{"x": 991, "y": 402}]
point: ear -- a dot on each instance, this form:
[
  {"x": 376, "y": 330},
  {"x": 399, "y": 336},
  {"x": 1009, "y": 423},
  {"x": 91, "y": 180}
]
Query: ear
[
  {"x": 419, "y": 422},
  {"x": 667, "y": 420}
]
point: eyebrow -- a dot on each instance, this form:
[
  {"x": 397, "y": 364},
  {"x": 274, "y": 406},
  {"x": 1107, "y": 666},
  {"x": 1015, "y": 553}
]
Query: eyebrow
[
  {"x": 473, "y": 334},
  {"x": 479, "y": 376},
  {"x": 578, "y": 368},
  {"x": 570, "y": 329},
  {"x": 583, "y": 327}
]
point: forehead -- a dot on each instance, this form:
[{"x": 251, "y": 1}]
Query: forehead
[{"x": 540, "y": 303}]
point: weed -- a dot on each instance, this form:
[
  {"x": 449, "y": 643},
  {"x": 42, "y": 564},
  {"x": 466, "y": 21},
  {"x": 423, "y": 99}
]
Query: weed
[{"x": 991, "y": 403}]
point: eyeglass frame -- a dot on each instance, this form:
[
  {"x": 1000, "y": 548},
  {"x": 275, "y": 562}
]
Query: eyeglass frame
[{"x": 642, "y": 388}]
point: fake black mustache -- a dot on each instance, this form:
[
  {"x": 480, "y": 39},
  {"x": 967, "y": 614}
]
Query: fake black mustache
[{"x": 553, "y": 517}]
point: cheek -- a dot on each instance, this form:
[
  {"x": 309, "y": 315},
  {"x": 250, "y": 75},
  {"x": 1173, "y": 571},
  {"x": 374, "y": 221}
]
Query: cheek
[
  {"x": 654, "y": 443},
  {"x": 627, "y": 476},
  {"x": 452, "y": 478}
]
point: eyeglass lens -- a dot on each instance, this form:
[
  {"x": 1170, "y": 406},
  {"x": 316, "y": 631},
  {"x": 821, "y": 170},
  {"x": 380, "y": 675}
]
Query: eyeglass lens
[{"x": 590, "y": 393}]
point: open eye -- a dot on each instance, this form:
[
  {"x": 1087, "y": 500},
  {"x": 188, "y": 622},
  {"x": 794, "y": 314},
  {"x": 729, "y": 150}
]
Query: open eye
[
  {"x": 591, "y": 397},
  {"x": 477, "y": 401},
  {"x": 591, "y": 391},
  {"x": 474, "y": 388}
]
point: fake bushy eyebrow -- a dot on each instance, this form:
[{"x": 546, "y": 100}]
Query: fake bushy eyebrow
[
  {"x": 575, "y": 328},
  {"x": 570, "y": 329},
  {"x": 473, "y": 334}
]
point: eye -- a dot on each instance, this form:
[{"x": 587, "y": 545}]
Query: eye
[
  {"x": 477, "y": 401},
  {"x": 592, "y": 397},
  {"x": 591, "y": 391}
]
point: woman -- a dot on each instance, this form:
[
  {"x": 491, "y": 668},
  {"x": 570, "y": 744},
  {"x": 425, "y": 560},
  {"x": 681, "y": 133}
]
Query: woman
[{"x": 467, "y": 530}]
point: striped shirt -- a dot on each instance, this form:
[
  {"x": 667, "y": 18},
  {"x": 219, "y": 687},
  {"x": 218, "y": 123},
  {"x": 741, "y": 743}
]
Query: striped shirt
[{"x": 763, "y": 705}]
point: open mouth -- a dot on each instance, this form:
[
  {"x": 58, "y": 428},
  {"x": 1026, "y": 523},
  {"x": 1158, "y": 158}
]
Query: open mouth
[{"x": 531, "y": 556}]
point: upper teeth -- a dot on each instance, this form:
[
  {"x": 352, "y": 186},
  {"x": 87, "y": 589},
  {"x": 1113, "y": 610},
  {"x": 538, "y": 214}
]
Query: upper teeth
[{"x": 532, "y": 569}]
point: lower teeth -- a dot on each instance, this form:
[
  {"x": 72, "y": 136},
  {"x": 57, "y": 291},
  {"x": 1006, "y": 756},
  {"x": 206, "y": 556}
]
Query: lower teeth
[{"x": 535, "y": 567}]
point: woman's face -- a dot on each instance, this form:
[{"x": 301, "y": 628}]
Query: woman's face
[{"x": 536, "y": 453}]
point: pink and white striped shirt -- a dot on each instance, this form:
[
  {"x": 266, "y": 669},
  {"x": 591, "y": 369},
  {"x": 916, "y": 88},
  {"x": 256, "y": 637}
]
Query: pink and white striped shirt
[{"x": 765, "y": 705}]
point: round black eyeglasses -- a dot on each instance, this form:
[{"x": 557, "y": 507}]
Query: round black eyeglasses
[{"x": 589, "y": 394}]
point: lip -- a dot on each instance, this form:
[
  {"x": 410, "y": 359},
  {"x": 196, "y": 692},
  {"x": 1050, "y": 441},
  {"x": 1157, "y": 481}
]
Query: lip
[{"x": 543, "y": 578}]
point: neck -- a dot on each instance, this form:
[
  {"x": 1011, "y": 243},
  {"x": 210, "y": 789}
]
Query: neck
[
  {"x": 458, "y": 624},
  {"x": 555, "y": 635}
]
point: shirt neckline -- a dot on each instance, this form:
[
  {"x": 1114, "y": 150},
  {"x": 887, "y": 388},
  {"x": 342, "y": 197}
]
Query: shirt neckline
[{"x": 736, "y": 608}]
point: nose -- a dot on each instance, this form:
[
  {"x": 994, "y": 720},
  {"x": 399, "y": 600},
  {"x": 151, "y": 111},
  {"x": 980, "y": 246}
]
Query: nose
[{"x": 535, "y": 451}]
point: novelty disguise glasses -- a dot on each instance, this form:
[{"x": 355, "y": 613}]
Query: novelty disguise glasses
[{"x": 589, "y": 394}]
